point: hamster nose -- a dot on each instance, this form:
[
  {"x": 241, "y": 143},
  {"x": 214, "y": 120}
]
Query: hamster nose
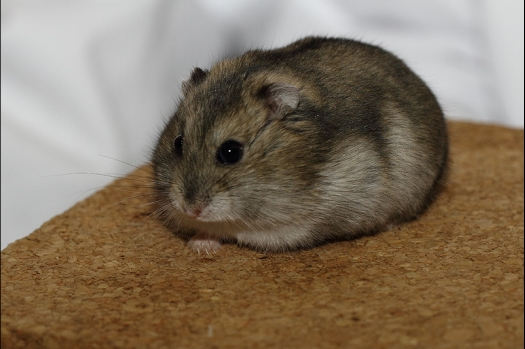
[{"x": 193, "y": 212}]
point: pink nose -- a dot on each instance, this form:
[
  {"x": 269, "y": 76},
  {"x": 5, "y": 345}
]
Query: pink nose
[{"x": 192, "y": 212}]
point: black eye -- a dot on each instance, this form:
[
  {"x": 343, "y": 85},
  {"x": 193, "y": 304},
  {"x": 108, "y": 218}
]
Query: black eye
[
  {"x": 229, "y": 153},
  {"x": 177, "y": 145}
]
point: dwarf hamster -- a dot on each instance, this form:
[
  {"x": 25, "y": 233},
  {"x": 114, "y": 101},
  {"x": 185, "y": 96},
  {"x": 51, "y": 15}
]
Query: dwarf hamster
[{"x": 326, "y": 138}]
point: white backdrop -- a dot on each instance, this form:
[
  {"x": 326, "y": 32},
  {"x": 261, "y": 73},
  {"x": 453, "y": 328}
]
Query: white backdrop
[{"x": 82, "y": 80}]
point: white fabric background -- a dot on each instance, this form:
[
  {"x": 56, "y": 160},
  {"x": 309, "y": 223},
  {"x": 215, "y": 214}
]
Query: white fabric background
[{"x": 86, "y": 79}]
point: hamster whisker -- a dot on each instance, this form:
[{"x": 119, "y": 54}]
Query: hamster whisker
[
  {"x": 154, "y": 214},
  {"x": 161, "y": 212},
  {"x": 121, "y": 202},
  {"x": 123, "y": 162},
  {"x": 124, "y": 188},
  {"x": 116, "y": 176}
]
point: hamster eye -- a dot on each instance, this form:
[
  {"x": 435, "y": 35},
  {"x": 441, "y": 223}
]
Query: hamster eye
[
  {"x": 229, "y": 153},
  {"x": 177, "y": 145}
]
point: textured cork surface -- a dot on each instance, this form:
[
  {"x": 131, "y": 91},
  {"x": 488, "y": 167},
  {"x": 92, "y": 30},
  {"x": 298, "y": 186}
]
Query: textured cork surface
[{"x": 107, "y": 275}]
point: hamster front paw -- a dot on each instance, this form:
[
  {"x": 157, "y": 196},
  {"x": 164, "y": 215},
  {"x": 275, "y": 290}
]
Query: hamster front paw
[{"x": 202, "y": 242}]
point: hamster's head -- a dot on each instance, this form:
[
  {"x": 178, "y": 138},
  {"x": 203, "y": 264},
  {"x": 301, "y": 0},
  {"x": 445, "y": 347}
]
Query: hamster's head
[{"x": 241, "y": 150}]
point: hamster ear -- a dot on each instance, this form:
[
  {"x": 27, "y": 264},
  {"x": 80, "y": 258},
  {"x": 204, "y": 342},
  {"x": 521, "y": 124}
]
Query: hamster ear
[
  {"x": 280, "y": 98},
  {"x": 198, "y": 75}
]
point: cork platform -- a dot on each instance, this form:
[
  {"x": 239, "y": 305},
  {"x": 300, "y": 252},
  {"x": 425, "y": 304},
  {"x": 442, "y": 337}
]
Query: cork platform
[{"x": 106, "y": 274}]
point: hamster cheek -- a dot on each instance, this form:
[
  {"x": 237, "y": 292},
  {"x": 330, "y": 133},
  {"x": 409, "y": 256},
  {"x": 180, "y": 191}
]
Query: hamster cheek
[{"x": 202, "y": 242}]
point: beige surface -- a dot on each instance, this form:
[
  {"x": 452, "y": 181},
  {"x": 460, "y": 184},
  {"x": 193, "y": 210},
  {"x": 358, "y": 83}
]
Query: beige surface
[{"x": 106, "y": 275}]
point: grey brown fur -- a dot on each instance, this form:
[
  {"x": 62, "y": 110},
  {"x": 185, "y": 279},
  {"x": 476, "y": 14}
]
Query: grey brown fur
[{"x": 339, "y": 138}]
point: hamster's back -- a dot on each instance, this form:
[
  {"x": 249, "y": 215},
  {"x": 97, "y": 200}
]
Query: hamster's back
[{"x": 364, "y": 94}]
